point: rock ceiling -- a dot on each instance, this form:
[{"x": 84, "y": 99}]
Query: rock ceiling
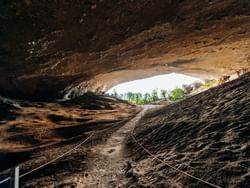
[{"x": 51, "y": 48}]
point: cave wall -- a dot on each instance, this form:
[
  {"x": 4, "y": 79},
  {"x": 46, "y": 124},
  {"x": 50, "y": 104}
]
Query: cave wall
[{"x": 51, "y": 47}]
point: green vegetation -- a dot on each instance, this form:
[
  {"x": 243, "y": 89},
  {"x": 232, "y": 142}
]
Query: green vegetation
[
  {"x": 177, "y": 94},
  {"x": 208, "y": 84},
  {"x": 155, "y": 96},
  {"x": 139, "y": 98},
  {"x": 163, "y": 95}
]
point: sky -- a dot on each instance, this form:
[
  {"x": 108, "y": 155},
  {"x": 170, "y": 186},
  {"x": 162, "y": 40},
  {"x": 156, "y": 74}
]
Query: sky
[{"x": 166, "y": 82}]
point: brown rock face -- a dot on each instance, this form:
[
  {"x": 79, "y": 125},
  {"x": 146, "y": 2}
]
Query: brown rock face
[
  {"x": 52, "y": 48},
  {"x": 206, "y": 135}
]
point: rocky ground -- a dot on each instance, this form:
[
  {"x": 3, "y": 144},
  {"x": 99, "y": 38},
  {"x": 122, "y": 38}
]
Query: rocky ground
[
  {"x": 107, "y": 162},
  {"x": 67, "y": 48},
  {"x": 33, "y": 133},
  {"x": 206, "y": 135}
]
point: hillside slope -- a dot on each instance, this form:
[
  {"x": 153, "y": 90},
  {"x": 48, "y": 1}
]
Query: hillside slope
[
  {"x": 32, "y": 130},
  {"x": 207, "y": 135}
]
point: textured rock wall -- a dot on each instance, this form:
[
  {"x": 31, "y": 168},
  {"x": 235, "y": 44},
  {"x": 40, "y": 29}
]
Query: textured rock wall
[{"x": 49, "y": 47}]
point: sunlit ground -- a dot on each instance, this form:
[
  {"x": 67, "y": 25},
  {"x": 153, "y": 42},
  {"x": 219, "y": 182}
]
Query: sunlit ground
[{"x": 167, "y": 82}]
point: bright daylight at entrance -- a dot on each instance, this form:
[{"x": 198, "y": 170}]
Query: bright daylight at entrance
[
  {"x": 124, "y": 93},
  {"x": 156, "y": 89}
]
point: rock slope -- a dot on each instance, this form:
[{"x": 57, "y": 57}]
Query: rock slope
[
  {"x": 33, "y": 130},
  {"x": 207, "y": 135}
]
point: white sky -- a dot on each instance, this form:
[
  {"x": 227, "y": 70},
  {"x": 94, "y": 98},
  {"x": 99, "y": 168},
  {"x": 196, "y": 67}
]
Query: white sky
[{"x": 166, "y": 82}]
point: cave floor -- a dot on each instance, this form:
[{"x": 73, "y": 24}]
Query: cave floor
[{"x": 109, "y": 161}]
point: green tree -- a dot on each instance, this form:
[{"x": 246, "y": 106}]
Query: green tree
[
  {"x": 177, "y": 94},
  {"x": 154, "y": 95},
  {"x": 163, "y": 95},
  {"x": 138, "y": 98},
  {"x": 146, "y": 98},
  {"x": 130, "y": 96}
]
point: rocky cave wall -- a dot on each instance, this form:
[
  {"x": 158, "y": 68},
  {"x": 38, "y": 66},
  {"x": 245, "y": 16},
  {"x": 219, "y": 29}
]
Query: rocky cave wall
[{"x": 51, "y": 48}]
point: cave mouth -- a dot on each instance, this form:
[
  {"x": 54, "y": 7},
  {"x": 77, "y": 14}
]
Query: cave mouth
[{"x": 158, "y": 88}]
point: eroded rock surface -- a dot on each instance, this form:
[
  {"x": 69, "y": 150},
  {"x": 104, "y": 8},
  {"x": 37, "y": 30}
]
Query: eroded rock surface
[
  {"x": 53, "y": 48},
  {"x": 36, "y": 132},
  {"x": 206, "y": 135}
]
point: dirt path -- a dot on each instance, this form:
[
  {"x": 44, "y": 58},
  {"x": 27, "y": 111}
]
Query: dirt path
[{"x": 106, "y": 169}]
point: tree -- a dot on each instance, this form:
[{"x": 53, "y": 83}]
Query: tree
[
  {"x": 177, "y": 94},
  {"x": 163, "y": 95},
  {"x": 138, "y": 98},
  {"x": 154, "y": 95},
  {"x": 146, "y": 98},
  {"x": 130, "y": 96},
  {"x": 187, "y": 88},
  {"x": 115, "y": 94},
  {"x": 196, "y": 85}
]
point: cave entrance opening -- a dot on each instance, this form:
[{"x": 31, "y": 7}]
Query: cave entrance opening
[{"x": 157, "y": 89}]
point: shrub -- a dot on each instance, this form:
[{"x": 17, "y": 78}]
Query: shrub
[
  {"x": 208, "y": 84},
  {"x": 177, "y": 94}
]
